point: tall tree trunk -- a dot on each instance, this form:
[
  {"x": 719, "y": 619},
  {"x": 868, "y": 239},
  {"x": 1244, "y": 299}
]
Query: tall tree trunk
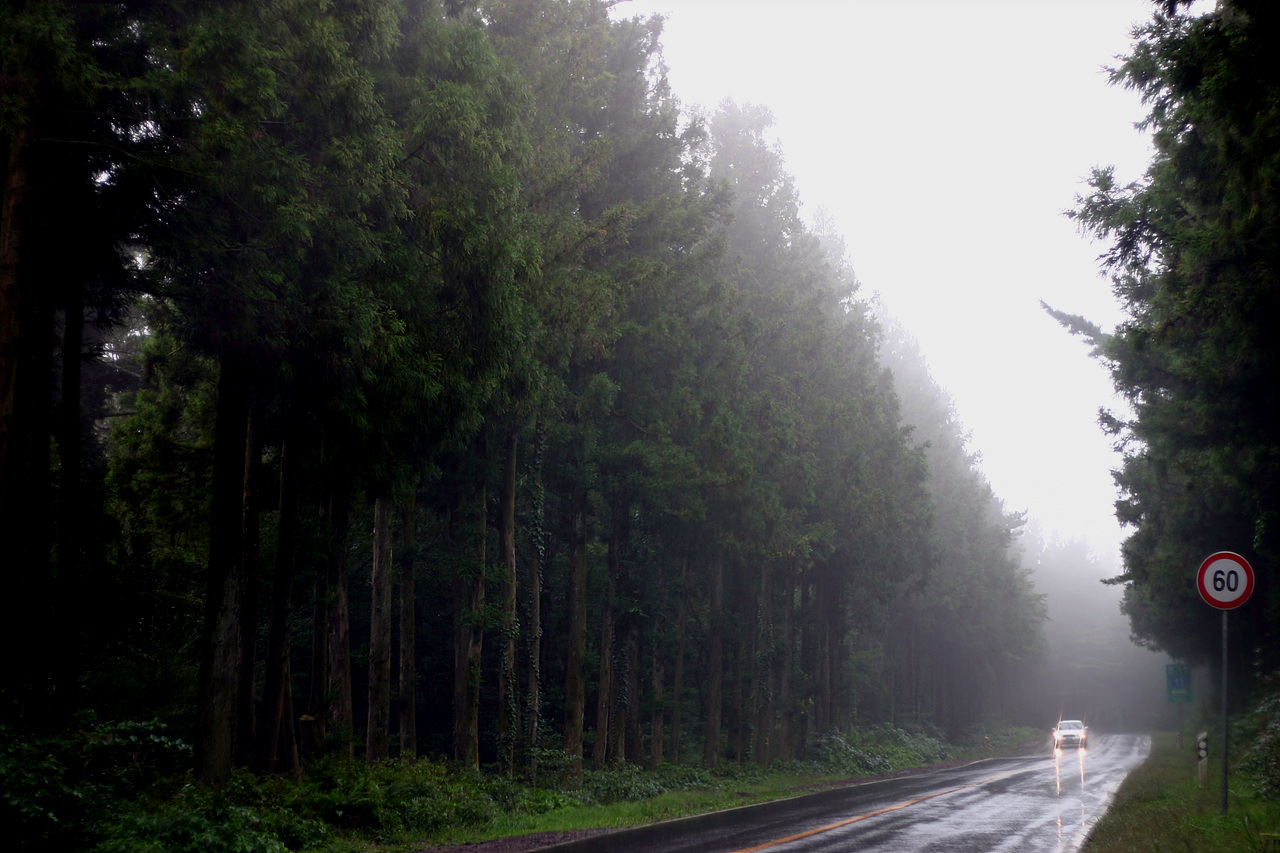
[
  {"x": 13, "y": 222},
  {"x": 822, "y": 713},
  {"x": 313, "y": 730},
  {"x": 468, "y": 604},
  {"x": 508, "y": 707},
  {"x": 739, "y": 712},
  {"x": 26, "y": 326},
  {"x": 658, "y": 674},
  {"x": 339, "y": 702},
  {"x": 246, "y": 724},
  {"x": 715, "y": 667},
  {"x": 808, "y": 665},
  {"x": 677, "y": 680},
  {"x": 378, "y": 726},
  {"x": 634, "y": 751},
  {"x": 606, "y": 695},
  {"x": 575, "y": 692},
  {"x": 841, "y": 716},
  {"x": 277, "y": 689},
  {"x": 762, "y": 682},
  {"x": 220, "y": 641},
  {"x": 533, "y": 699},
  {"x": 407, "y": 683},
  {"x": 70, "y": 594},
  {"x": 287, "y": 752},
  {"x": 786, "y": 723}
]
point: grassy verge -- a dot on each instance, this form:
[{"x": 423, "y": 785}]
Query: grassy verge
[
  {"x": 665, "y": 806},
  {"x": 1161, "y": 807},
  {"x": 698, "y": 792},
  {"x": 122, "y": 789}
]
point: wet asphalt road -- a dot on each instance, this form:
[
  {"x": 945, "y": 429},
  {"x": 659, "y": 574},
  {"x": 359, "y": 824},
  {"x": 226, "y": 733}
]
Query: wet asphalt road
[{"x": 1038, "y": 802}]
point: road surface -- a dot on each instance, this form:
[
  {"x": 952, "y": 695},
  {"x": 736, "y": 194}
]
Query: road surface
[{"x": 1036, "y": 802}]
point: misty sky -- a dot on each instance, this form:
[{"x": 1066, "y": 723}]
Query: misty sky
[{"x": 946, "y": 137}]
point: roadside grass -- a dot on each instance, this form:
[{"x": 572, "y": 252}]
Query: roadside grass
[
  {"x": 1161, "y": 807},
  {"x": 666, "y": 806},
  {"x": 730, "y": 787},
  {"x": 124, "y": 788},
  {"x": 728, "y": 792}
]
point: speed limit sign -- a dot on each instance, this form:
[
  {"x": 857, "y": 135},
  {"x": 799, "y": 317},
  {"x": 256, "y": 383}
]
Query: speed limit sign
[{"x": 1225, "y": 580}]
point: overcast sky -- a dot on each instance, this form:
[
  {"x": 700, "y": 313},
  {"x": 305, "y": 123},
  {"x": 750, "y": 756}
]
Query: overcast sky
[{"x": 946, "y": 138}]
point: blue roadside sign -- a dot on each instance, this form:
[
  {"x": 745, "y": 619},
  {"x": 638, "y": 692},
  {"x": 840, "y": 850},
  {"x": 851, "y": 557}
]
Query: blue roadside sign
[{"x": 1177, "y": 679}]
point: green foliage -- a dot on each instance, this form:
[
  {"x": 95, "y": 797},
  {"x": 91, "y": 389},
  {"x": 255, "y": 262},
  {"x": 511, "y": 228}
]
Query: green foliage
[
  {"x": 228, "y": 829},
  {"x": 1161, "y": 806},
  {"x": 56, "y": 789},
  {"x": 422, "y": 797},
  {"x": 1193, "y": 249},
  {"x": 413, "y": 227},
  {"x": 39, "y": 804},
  {"x": 131, "y": 755},
  {"x": 876, "y": 749},
  {"x": 386, "y": 802},
  {"x": 833, "y": 751},
  {"x": 1261, "y": 761},
  {"x": 630, "y": 782}
]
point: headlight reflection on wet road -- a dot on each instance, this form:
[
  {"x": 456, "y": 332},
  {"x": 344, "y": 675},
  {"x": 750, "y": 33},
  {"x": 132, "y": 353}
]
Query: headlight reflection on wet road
[
  {"x": 1081, "y": 755},
  {"x": 999, "y": 805}
]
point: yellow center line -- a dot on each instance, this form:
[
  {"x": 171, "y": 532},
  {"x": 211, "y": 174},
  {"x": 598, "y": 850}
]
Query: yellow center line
[{"x": 848, "y": 821}]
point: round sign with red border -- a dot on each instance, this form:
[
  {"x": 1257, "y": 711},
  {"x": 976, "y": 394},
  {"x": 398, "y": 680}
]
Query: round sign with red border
[{"x": 1225, "y": 580}]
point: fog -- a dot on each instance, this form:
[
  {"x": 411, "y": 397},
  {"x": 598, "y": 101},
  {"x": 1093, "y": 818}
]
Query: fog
[
  {"x": 945, "y": 140},
  {"x": 1091, "y": 669}
]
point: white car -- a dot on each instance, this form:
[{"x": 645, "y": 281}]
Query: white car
[{"x": 1070, "y": 733}]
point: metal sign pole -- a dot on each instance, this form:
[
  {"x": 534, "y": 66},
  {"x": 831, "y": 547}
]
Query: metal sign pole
[
  {"x": 1224, "y": 711},
  {"x": 1225, "y": 581}
]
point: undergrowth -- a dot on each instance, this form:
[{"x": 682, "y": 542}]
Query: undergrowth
[{"x": 112, "y": 788}]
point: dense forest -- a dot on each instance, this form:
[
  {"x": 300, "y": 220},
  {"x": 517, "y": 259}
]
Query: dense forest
[
  {"x": 1192, "y": 250},
  {"x": 396, "y": 378}
]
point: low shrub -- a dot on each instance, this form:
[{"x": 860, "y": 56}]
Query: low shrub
[
  {"x": 1261, "y": 762},
  {"x": 877, "y": 749},
  {"x": 175, "y": 830},
  {"x": 41, "y": 803},
  {"x": 833, "y": 752}
]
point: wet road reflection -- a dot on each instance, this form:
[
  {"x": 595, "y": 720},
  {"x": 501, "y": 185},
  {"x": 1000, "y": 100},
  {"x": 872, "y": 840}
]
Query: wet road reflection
[
  {"x": 1061, "y": 757},
  {"x": 1036, "y": 802}
]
